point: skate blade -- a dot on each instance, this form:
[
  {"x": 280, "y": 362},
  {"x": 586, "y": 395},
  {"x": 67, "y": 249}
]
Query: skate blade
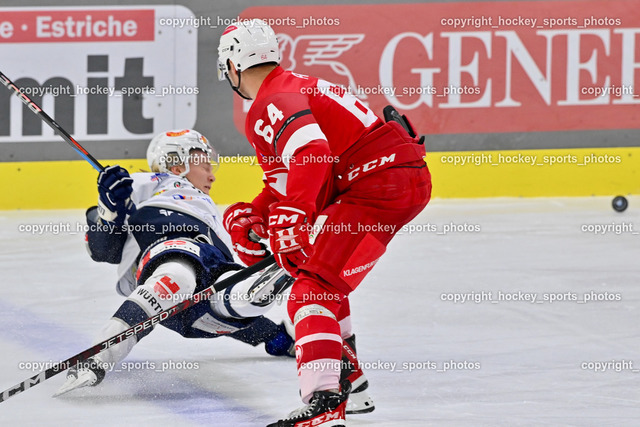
[
  {"x": 72, "y": 384},
  {"x": 359, "y": 403}
]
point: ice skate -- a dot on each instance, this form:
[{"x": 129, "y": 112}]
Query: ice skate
[
  {"x": 359, "y": 400},
  {"x": 283, "y": 344},
  {"x": 325, "y": 409},
  {"x": 85, "y": 374}
]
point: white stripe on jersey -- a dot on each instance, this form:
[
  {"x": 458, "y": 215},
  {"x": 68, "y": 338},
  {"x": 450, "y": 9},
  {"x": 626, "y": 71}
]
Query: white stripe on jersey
[
  {"x": 348, "y": 101},
  {"x": 301, "y": 137},
  {"x": 277, "y": 180}
]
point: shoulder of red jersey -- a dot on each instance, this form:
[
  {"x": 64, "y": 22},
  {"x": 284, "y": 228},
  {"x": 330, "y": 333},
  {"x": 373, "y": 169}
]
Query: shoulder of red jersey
[{"x": 280, "y": 121}]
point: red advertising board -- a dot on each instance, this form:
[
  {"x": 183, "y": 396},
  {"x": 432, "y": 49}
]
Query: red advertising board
[
  {"x": 89, "y": 25},
  {"x": 473, "y": 67}
]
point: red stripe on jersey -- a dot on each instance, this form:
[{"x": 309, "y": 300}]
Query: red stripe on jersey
[
  {"x": 360, "y": 107},
  {"x": 144, "y": 262},
  {"x": 318, "y": 350},
  {"x": 317, "y": 324}
]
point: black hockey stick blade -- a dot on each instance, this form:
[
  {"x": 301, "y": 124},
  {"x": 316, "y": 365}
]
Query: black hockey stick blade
[
  {"x": 134, "y": 330},
  {"x": 34, "y": 108}
]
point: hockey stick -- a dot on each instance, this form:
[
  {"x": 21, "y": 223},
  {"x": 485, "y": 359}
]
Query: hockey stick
[
  {"x": 48, "y": 120},
  {"x": 134, "y": 330}
]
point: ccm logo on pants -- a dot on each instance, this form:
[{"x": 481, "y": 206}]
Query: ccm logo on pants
[{"x": 373, "y": 164}]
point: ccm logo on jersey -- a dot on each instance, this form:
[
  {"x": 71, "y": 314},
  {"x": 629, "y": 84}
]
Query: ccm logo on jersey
[{"x": 369, "y": 166}]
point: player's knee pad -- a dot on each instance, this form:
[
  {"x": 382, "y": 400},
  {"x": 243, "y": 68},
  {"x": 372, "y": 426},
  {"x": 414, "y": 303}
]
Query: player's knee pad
[
  {"x": 311, "y": 310},
  {"x": 170, "y": 283},
  {"x": 309, "y": 291},
  {"x": 208, "y": 261}
]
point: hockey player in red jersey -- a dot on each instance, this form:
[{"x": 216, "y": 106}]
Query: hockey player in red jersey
[{"x": 338, "y": 182}]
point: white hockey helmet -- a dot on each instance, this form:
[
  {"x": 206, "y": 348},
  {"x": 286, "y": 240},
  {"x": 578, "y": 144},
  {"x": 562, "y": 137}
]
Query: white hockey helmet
[
  {"x": 172, "y": 148},
  {"x": 247, "y": 43}
]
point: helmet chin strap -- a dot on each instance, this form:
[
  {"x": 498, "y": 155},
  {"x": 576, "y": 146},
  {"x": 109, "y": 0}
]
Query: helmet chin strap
[
  {"x": 186, "y": 167},
  {"x": 236, "y": 89},
  {"x": 186, "y": 170}
]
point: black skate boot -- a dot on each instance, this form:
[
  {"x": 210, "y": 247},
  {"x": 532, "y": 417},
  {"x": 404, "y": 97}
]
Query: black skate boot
[
  {"x": 359, "y": 400},
  {"x": 325, "y": 409}
]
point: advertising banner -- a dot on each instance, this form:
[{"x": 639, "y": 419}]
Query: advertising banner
[
  {"x": 476, "y": 66},
  {"x": 103, "y": 73}
]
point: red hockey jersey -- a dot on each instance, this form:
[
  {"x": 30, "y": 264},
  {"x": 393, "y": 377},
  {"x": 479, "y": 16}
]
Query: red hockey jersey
[{"x": 299, "y": 126}]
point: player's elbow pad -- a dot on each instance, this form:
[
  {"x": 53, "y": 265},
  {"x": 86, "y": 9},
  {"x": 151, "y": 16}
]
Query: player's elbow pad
[{"x": 104, "y": 241}]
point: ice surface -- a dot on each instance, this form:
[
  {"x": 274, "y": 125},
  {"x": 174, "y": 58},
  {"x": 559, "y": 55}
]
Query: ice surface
[{"x": 517, "y": 363}]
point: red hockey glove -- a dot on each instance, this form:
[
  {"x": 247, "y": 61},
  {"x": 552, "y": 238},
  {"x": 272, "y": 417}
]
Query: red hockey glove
[
  {"x": 289, "y": 235},
  {"x": 246, "y": 227}
]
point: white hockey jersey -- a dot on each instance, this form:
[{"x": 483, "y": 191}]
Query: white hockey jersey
[{"x": 169, "y": 191}]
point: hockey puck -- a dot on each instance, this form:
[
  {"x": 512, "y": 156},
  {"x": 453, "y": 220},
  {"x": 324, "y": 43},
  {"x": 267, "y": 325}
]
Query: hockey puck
[{"x": 619, "y": 203}]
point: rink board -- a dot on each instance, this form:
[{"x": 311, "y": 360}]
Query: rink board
[{"x": 515, "y": 173}]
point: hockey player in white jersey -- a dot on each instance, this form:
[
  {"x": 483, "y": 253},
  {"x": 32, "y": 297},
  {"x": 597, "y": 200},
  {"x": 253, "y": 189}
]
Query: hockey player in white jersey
[{"x": 164, "y": 231}]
